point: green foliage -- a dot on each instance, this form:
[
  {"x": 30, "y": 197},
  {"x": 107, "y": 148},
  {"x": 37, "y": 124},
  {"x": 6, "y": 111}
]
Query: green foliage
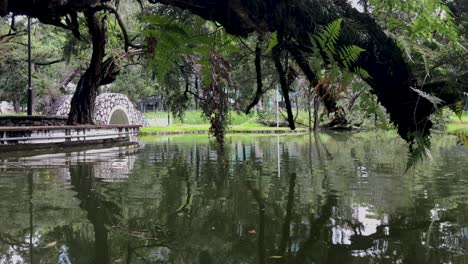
[
  {"x": 47, "y": 43},
  {"x": 349, "y": 55},
  {"x": 273, "y": 42},
  {"x": 369, "y": 112},
  {"x": 191, "y": 49},
  {"x": 182, "y": 51},
  {"x": 337, "y": 65},
  {"x": 431, "y": 22},
  {"x": 419, "y": 151},
  {"x": 426, "y": 32},
  {"x": 134, "y": 82},
  {"x": 325, "y": 43},
  {"x": 441, "y": 118},
  {"x": 172, "y": 41},
  {"x": 459, "y": 108}
]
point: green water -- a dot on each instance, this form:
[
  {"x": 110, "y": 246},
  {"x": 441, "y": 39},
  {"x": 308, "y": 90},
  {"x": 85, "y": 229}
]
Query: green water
[{"x": 332, "y": 198}]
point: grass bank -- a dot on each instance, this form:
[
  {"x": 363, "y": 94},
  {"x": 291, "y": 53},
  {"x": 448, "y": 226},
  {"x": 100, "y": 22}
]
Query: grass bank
[
  {"x": 249, "y": 126},
  {"x": 194, "y": 122},
  {"x": 458, "y": 124}
]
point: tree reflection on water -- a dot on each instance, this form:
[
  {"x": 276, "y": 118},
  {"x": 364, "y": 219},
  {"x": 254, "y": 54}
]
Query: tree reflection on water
[{"x": 328, "y": 198}]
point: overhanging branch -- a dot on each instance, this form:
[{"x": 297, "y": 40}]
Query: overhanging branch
[{"x": 121, "y": 25}]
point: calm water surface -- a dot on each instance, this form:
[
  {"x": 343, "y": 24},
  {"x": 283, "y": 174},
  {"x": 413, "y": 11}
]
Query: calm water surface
[{"x": 328, "y": 198}]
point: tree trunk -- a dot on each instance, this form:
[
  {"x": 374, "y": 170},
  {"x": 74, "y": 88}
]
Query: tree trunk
[
  {"x": 276, "y": 52},
  {"x": 309, "y": 109},
  {"x": 82, "y": 103},
  {"x": 16, "y": 105},
  {"x": 197, "y": 92},
  {"x": 316, "y": 110}
]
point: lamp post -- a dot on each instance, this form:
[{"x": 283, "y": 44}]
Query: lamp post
[
  {"x": 29, "y": 69},
  {"x": 277, "y": 106}
]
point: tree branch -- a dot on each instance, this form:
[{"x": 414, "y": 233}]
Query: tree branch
[
  {"x": 188, "y": 91},
  {"x": 54, "y": 21},
  {"x": 258, "y": 70},
  {"x": 70, "y": 78},
  {"x": 121, "y": 25},
  {"x": 47, "y": 63},
  {"x": 9, "y": 36}
]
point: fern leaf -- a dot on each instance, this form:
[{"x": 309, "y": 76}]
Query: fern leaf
[
  {"x": 431, "y": 98},
  {"x": 363, "y": 73},
  {"x": 349, "y": 55},
  {"x": 327, "y": 38}
]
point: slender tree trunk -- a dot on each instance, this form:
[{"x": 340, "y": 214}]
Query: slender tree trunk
[
  {"x": 196, "y": 91},
  {"x": 310, "y": 115},
  {"x": 82, "y": 103},
  {"x": 309, "y": 107},
  {"x": 284, "y": 85},
  {"x": 316, "y": 110}
]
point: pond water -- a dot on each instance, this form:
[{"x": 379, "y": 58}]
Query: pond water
[{"x": 328, "y": 198}]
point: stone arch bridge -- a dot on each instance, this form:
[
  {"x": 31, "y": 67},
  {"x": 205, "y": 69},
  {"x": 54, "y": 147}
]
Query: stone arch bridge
[{"x": 109, "y": 109}]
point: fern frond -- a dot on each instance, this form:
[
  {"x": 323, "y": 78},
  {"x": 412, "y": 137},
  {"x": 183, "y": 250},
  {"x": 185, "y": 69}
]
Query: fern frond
[
  {"x": 363, "y": 73},
  {"x": 431, "y": 98},
  {"x": 327, "y": 38},
  {"x": 419, "y": 151},
  {"x": 349, "y": 55}
]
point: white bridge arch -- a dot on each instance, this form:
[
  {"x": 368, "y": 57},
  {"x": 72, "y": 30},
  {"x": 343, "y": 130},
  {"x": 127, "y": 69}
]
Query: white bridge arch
[{"x": 109, "y": 109}]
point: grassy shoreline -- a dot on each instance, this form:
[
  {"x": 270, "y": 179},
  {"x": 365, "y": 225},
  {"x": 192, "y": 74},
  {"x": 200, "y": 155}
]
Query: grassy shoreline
[
  {"x": 458, "y": 124},
  {"x": 194, "y": 123},
  {"x": 249, "y": 127}
]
